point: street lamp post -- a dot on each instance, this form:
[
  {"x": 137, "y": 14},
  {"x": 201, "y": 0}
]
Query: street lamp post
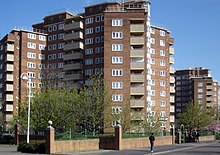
[{"x": 27, "y": 78}]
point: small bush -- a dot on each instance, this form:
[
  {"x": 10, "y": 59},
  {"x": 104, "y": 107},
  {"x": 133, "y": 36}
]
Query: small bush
[{"x": 31, "y": 147}]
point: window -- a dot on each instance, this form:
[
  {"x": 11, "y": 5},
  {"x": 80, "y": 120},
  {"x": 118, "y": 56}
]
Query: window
[
  {"x": 54, "y": 27},
  {"x": 162, "y": 33},
  {"x": 31, "y": 84},
  {"x": 49, "y": 38},
  {"x": 42, "y": 38},
  {"x": 200, "y": 90},
  {"x": 200, "y": 96},
  {"x": 54, "y": 56},
  {"x": 162, "y": 43},
  {"x": 102, "y": 39},
  {"x": 49, "y": 56},
  {"x": 31, "y": 74},
  {"x": 31, "y": 36},
  {"x": 153, "y": 113},
  {"x": 102, "y": 18},
  {"x": 152, "y": 30},
  {"x": 162, "y": 93},
  {"x": 61, "y": 36},
  {"x": 97, "y": 29},
  {"x": 97, "y": 39},
  {"x": 41, "y": 47},
  {"x": 162, "y": 63},
  {"x": 54, "y": 46},
  {"x": 60, "y": 45},
  {"x": 151, "y": 72},
  {"x": 97, "y": 50},
  {"x": 117, "y": 72},
  {"x": 89, "y": 20},
  {"x": 117, "y": 60},
  {"x": 200, "y": 84},
  {"x": 162, "y": 73},
  {"x": 88, "y": 61},
  {"x": 97, "y": 60},
  {"x": 162, "y": 103},
  {"x": 89, "y": 41},
  {"x": 102, "y": 28},
  {"x": 117, "y": 110},
  {"x": 117, "y": 47},
  {"x": 97, "y": 19},
  {"x": 55, "y": 37},
  {"x": 31, "y": 55},
  {"x": 60, "y": 55},
  {"x": 89, "y": 51},
  {"x": 117, "y": 22},
  {"x": 41, "y": 57},
  {"x": 117, "y": 85},
  {"x": 61, "y": 26},
  {"x": 162, "y": 53},
  {"x": 152, "y": 41},
  {"x": 163, "y": 114},
  {"x": 162, "y": 83},
  {"x": 49, "y": 28},
  {"x": 89, "y": 31},
  {"x": 88, "y": 71},
  {"x": 117, "y": 97},
  {"x": 31, "y": 65},
  {"x": 117, "y": 35},
  {"x": 31, "y": 45},
  {"x": 60, "y": 65},
  {"x": 152, "y": 51}
]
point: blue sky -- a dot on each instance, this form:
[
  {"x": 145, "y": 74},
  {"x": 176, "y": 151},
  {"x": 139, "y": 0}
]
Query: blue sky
[{"x": 194, "y": 24}]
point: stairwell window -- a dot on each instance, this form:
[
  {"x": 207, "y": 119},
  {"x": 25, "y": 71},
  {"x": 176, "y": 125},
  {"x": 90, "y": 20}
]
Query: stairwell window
[
  {"x": 31, "y": 45},
  {"x": 162, "y": 43},
  {"x": 162, "y": 33},
  {"x": 117, "y": 72},
  {"x": 117, "y": 60},
  {"x": 117, "y": 35},
  {"x": 31, "y": 36},
  {"x": 117, "y": 22},
  {"x": 117, "y": 97},
  {"x": 117, "y": 47},
  {"x": 117, "y": 85}
]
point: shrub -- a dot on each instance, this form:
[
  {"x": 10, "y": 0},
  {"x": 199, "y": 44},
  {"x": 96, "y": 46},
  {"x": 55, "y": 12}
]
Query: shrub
[{"x": 31, "y": 147}]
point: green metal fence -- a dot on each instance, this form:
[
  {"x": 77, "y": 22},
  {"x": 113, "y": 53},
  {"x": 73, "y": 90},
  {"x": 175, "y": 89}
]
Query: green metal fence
[{"x": 144, "y": 134}]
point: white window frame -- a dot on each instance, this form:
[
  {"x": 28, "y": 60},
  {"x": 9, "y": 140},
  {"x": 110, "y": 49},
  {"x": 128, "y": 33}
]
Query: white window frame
[
  {"x": 117, "y": 47},
  {"x": 117, "y": 85},
  {"x": 31, "y": 45},
  {"x": 89, "y": 20},
  {"x": 117, "y": 60},
  {"x": 162, "y": 43},
  {"x": 31, "y": 36},
  {"x": 31, "y": 55},
  {"x": 117, "y": 35},
  {"x": 117, "y": 72},
  {"x": 117, "y": 97},
  {"x": 117, "y": 22}
]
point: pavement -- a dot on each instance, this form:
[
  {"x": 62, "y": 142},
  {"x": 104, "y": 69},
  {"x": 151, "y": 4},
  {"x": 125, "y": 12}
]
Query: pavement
[{"x": 146, "y": 151}]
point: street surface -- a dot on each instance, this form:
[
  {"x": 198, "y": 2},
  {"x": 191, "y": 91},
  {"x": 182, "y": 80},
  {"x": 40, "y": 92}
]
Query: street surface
[{"x": 203, "y": 148}]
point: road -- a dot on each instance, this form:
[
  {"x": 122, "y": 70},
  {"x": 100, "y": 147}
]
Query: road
[{"x": 204, "y": 148}]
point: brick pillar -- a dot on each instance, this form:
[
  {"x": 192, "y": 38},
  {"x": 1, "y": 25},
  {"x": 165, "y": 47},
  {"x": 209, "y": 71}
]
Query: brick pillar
[
  {"x": 16, "y": 134},
  {"x": 173, "y": 135},
  {"x": 179, "y": 137},
  {"x": 49, "y": 139},
  {"x": 118, "y": 138}
]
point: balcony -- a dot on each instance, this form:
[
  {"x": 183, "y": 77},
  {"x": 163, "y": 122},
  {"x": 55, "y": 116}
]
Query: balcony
[
  {"x": 9, "y": 97},
  {"x": 172, "y": 79},
  {"x": 9, "y": 77},
  {"x": 137, "y": 65},
  {"x": 9, "y": 107},
  {"x": 9, "y": 67},
  {"x": 208, "y": 99},
  {"x": 137, "y": 53},
  {"x": 172, "y": 89},
  {"x": 171, "y": 50},
  {"x": 9, "y": 57},
  {"x": 171, "y": 60},
  {"x": 74, "y": 66},
  {"x": 76, "y": 76},
  {"x": 137, "y": 41},
  {"x": 209, "y": 93},
  {"x": 209, "y": 87},
  {"x": 138, "y": 90},
  {"x": 8, "y": 117},
  {"x": 171, "y": 41},
  {"x": 137, "y": 103},
  {"x": 74, "y": 36},
  {"x": 137, "y": 28},
  {"x": 172, "y": 108},
  {"x": 172, "y": 99},
  {"x": 72, "y": 56},
  {"x": 9, "y": 87},
  {"x": 172, "y": 70},
  {"x": 10, "y": 47},
  {"x": 137, "y": 116},
  {"x": 137, "y": 78},
  {"x": 73, "y": 46},
  {"x": 74, "y": 26}
]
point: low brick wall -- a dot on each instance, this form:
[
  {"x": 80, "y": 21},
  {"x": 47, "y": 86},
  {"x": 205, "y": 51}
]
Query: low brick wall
[
  {"x": 207, "y": 138},
  {"x": 144, "y": 142},
  {"x": 76, "y": 145}
]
